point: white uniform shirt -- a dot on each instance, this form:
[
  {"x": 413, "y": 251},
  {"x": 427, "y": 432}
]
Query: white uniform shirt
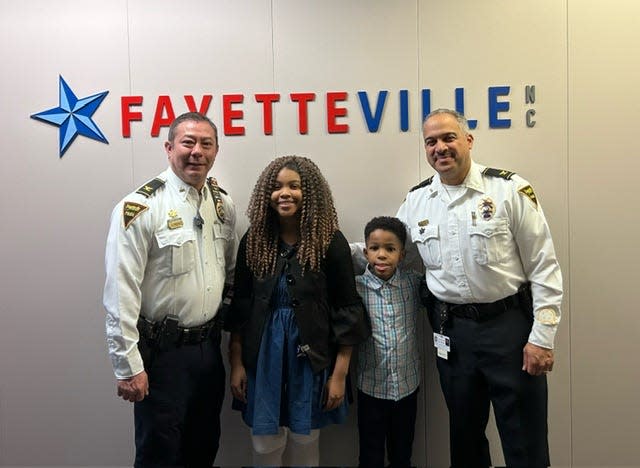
[
  {"x": 487, "y": 242},
  {"x": 161, "y": 263}
]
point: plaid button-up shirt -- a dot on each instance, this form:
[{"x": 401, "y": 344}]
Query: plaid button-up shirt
[{"x": 389, "y": 360}]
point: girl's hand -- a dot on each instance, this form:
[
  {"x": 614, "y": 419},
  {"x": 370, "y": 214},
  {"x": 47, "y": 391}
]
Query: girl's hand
[
  {"x": 239, "y": 382},
  {"x": 334, "y": 389}
]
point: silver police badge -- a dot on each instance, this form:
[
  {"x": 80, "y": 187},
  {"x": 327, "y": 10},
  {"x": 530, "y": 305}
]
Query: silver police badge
[{"x": 487, "y": 208}]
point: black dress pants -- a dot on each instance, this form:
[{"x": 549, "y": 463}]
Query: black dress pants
[
  {"x": 485, "y": 367},
  {"x": 178, "y": 423},
  {"x": 386, "y": 422}
]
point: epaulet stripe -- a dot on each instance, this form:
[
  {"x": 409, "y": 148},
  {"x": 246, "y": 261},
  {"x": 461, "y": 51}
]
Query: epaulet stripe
[
  {"x": 422, "y": 184},
  {"x": 490, "y": 171},
  {"x": 150, "y": 187},
  {"x": 217, "y": 199}
]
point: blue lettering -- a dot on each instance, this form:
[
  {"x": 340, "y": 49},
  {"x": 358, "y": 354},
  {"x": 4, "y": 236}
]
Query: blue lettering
[
  {"x": 404, "y": 110},
  {"x": 460, "y": 107},
  {"x": 373, "y": 121},
  {"x": 426, "y": 103},
  {"x": 496, "y": 106}
]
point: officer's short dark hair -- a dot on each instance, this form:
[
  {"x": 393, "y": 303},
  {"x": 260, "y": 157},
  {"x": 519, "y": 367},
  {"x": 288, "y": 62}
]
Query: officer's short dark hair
[
  {"x": 190, "y": 117},
  {"x": 387, "y": 223}
]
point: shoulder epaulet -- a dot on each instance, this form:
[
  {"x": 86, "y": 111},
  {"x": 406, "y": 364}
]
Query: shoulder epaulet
[
  {"x": 491, "y": 172},
  {"x": 422, "y": 184},
  {"x": 215, "y": 190},
  {"x": 150, "y": 187}
]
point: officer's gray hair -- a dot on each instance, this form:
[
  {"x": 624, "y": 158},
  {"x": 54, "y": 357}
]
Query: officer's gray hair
[
  {"x": 191, "y": 117},
  {"x": 461, "y": 119}
]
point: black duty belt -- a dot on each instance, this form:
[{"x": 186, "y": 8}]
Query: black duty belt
[
  {"x": 481, "y": 312},
  {"x": 168, "y": 332}
]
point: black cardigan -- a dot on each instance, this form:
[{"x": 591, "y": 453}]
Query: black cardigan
[{"x": 328, "y": 310}]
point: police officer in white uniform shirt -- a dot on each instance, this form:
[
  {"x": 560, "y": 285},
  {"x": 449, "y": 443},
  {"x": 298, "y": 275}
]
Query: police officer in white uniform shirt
[
  {"x": 496, "y": 292},
  {"x": 170, "y": 251}
]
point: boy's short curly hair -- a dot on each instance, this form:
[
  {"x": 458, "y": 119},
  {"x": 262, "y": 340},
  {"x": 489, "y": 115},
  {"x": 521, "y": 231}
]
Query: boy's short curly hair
[{"x": 386, "y": 223}]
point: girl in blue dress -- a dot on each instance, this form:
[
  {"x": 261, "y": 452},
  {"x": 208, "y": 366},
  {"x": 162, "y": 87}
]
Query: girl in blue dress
[{"x": 295, "y": 314}]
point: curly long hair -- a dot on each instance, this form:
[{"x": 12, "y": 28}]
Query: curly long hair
[{"x": 318, "y": 217}]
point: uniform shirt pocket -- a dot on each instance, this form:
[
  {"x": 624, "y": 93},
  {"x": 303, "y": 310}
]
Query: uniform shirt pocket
[
  {"x": 179, "y": 251},
  {"x": 427, "y": 240},
  {"x": 490, "y": 241},
  {"x": 222, "y": 238}
]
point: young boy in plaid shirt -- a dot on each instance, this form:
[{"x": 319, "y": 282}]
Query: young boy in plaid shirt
[{"x": 389, "y": 366}]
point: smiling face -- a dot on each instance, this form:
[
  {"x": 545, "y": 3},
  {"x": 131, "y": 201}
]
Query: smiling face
[
  {"x": 286, "y": 198},
  {"x": 192, "y": 152},
  {"x": 383, "y": 251},
  {"x": 448, "y": 148}
]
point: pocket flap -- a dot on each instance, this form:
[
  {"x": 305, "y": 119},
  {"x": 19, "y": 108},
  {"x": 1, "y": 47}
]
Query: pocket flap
[
  {"x": 489, "y": 228},
  {"x": 175, "y": 237},
  {"x": 423, "y": 234}
]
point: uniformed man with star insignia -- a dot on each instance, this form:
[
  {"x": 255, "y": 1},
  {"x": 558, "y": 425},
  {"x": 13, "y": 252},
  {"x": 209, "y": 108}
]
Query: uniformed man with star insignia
[
  {"x": 170, "y": 258},
  {"x": 496, "y": 292}
]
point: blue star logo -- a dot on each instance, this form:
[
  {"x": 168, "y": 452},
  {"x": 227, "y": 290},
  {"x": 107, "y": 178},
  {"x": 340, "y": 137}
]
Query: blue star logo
[{"x": 73, "y": 116}]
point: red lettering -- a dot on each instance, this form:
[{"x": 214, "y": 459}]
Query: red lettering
[
  {"x": 127, "y": 115},
  {"x": 163, "y": 105},
  {"x": 204, "y": 104},
  {"x": 267, "y": 101},
  {"x": 302, "y": 99},
  {"x": 230, "y": 114},
  {"x": 334, "y": 112}
]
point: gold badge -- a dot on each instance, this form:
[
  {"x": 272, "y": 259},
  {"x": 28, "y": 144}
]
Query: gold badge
[
  {"x": 423, "y": 223},
  {"x": 487, "y": 208},
  {"x": 175, "y": 223},
  {"x": 130, "y": 211},
  {"x": 530, "y": 194}
]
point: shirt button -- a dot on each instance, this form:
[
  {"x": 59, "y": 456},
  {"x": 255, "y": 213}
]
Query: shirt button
[{"x": 295, "y": 303}]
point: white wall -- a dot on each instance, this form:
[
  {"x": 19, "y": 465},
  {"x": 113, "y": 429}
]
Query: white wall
[{"x": 57, "y": 398}]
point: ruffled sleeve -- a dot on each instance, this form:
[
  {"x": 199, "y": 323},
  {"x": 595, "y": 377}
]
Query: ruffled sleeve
[{"x": 349, "y": 320}]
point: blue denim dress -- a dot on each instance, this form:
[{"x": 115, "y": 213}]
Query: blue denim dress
[{"x": 284, "y": 391}]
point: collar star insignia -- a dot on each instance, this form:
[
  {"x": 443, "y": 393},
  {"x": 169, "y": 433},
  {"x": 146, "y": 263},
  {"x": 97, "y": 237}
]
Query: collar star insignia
[{"x": 73, "y": 116}]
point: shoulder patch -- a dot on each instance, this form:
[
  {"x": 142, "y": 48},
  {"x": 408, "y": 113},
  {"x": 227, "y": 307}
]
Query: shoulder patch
[
  {"x": 422, "y": 184},
  {"x": 491, "y": 172},
  {"x": 130, "y": 211},
  {"x": 217, "y": 199},
  {"x": 150, "y": 187},
  {"x": 528, "y": 192}
]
